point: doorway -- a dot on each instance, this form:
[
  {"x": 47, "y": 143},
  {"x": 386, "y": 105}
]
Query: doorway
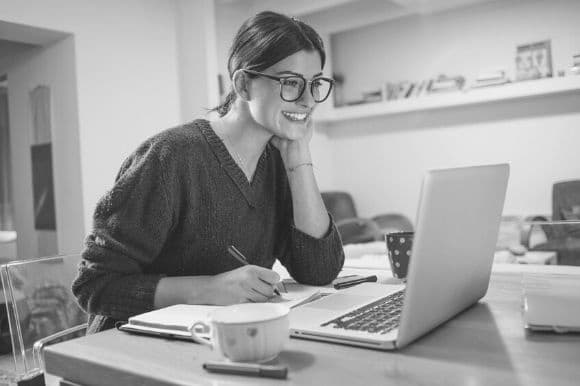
[
  {"x": 7, "y": 229},
  {"x": 44, "y": 137}
]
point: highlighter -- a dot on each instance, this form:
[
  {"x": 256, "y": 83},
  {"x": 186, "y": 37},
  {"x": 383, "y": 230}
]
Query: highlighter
[{"x": 349, "y": 281}]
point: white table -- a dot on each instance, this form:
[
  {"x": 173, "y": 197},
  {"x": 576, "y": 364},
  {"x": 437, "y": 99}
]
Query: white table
[
  {"x": 485, "y": 345},
  {"x": 373, "y": 255},
  {"x": 538, "y": 257}
]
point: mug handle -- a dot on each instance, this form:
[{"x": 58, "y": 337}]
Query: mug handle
[{"x": 196, "y": 337}]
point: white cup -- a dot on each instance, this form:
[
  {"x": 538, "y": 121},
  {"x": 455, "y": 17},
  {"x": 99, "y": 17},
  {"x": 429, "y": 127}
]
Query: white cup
[{"x": 247, "y": 332}]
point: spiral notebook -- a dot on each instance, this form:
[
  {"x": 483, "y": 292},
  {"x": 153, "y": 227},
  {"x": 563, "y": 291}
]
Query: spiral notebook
[{"x": 175, "y": 321}]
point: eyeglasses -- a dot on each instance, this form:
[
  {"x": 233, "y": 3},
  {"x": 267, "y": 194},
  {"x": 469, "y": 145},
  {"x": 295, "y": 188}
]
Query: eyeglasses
[{"x": 292, "y": 86}]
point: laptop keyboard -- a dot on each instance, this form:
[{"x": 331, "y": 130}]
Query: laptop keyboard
[{"x": 378, "y": 317}]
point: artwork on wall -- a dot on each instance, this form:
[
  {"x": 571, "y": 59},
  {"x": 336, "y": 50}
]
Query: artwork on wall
[
  {"x": 534, "y": 61},
  {"x": 41, "y": 157},
  {"x": 43, "y": 187}
]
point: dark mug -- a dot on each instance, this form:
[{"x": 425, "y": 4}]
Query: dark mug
[{"x": 399, "y": 246}]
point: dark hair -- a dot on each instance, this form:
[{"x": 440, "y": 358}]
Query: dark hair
[{"x": 265, "y": 39}]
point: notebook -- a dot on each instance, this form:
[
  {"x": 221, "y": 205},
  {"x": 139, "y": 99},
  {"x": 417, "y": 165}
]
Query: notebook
[
  {"x": 457, "y": 228},
  {"x": 174, "y": 321}
]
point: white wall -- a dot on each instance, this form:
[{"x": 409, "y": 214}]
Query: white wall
[
  {"x": 382, "y": 160},
  {"x": 197, "y": 57},
  {"x": 52, "y": 66},
  {"x": 229, "y": 18},
  {"x": 127, "y": 72},
  {"x": 126, "y": 62},
  {"x": 458, "y": 42}
]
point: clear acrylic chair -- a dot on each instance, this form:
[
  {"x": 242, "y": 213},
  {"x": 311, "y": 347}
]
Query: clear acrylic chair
[{"x": 40, "y": 310}]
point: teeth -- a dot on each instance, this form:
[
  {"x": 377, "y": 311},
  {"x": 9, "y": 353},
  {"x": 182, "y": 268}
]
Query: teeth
[{"x": 295, "y": 116}]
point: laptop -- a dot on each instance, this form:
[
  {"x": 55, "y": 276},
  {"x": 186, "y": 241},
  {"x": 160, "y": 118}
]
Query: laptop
[{"x": 457, "y": 227}]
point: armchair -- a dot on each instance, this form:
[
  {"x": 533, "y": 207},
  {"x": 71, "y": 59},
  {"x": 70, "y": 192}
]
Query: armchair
[
  {"x": 40, "y": 310},
  {"x": 393, "y": 222},
  {"x": 563, "y": 231},
  {"x": 354, "y": 229}
]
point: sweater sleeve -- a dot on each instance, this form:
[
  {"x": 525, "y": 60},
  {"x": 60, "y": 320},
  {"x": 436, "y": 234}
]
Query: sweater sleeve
[
  {"x": 315, "y": 261},
  {"x": 130, "y": 226}
]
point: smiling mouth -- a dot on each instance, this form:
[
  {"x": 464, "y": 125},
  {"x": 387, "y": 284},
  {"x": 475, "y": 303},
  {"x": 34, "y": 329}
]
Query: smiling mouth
[{"x": 296, "y": 117}]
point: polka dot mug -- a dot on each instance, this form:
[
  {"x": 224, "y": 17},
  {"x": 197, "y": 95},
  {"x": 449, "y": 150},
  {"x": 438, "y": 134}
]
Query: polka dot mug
[{"x": 399, "y": 246}]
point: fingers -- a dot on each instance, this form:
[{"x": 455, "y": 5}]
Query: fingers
[
  {"x": 264, "y": 288},
  {"x": 258, "y": 290},
  {"x": 254, "y": 296},
  {"x": 250, "y": 272},
  {"x": 250, "y": 283},
  {"x": 267, "y": 275},
  {"x": 258, "y": 297}
]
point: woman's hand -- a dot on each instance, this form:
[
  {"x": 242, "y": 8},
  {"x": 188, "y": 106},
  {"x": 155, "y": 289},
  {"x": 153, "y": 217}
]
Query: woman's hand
[
  {"x": 309, "y": 212},
  {"x": 249, "y": 283},
  {"x": 295, "y": 151}
]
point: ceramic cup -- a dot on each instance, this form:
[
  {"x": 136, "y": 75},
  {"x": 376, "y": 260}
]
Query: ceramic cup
[
  {"x": 248, "y": 332},
  {"x": 399, "y": 245}
]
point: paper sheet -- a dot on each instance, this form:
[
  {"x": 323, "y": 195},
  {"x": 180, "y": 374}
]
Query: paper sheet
[
  {"x": 551, "y": 301},
  {"x": 181, "y": 317}
]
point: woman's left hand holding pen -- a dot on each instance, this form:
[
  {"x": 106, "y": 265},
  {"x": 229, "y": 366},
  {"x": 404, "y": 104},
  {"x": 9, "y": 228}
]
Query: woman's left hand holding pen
[{"x": 249, "y": 283}]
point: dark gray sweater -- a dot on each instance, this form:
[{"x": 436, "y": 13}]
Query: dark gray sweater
[{"x": 178, "y": 201}]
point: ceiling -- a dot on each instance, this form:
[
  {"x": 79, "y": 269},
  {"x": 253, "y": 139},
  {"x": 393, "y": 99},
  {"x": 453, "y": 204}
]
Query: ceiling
[
  {"x": 10, "y": 49},
  {"x": 305, "y": 7},
  {"x": 330, "y": 16},
  {"x": 17, "y": 38}
]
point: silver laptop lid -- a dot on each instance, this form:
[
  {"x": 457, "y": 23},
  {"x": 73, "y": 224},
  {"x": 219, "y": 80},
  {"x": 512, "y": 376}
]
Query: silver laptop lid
[{"x": 457, "y": 226}]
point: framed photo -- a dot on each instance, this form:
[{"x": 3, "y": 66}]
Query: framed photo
[
  {"x": 42, "y": 187},
  {"x": 534, "y": 61}
]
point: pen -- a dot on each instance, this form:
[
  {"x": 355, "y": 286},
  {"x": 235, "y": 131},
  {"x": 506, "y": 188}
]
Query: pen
[
  {"x": 242, "y": 259},
  {"x": 267, "y": 371}
]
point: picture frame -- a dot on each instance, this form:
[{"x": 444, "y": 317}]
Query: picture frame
[
  {"x": 43, "y": 187},
  {"x": 534, "y": 61}
]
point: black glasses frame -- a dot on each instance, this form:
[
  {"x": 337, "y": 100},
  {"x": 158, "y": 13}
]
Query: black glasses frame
[{"x": 305, "y": 84}]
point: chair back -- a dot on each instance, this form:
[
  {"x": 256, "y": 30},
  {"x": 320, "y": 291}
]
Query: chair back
[
  {"x": 565, "y": 200},
  {"x": 358, "y": 230},
  {"x": 393, "y": 222},
  {"x": 339, "y": 204},
  {"x": 38, "y": 304},
  {"x": 566, "y": 207}
]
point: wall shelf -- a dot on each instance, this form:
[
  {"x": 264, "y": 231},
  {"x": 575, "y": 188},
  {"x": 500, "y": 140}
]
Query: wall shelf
[{"x": 510, "y": 91}]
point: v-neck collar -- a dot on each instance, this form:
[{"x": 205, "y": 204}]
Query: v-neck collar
[{"x": 248, "y": 189}]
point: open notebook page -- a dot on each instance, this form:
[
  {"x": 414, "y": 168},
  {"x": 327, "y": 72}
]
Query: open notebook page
[{"x": 175, "y": 321}]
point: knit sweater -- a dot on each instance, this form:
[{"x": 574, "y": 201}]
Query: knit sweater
[{"x": 178, "y": 202}]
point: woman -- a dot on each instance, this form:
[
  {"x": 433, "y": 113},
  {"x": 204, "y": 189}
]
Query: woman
[{"x": 184, "y": 196}]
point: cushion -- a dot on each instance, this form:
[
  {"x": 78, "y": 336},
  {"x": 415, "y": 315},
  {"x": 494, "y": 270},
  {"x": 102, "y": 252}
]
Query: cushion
[{"x": 571, "y": 214}]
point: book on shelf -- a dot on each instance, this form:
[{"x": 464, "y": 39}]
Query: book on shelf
[
  {"x": 490, "y": 75},
  {"x": 446, "y": 83},
  {"x": 372, "y": 96},
  {"x": 390, "y": 91},
  {"x": 420, "y": 88},
  {"x": 400, "y": 90},
  {"x": 490, "y": 78},
  {"x": 491, "y": 82},
  {"x": 405, "y": 89},
  {"x": 175, "y": 321}
]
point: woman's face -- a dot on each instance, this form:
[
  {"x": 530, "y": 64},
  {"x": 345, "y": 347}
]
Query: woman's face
[{"x": 287, "y": 120}]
